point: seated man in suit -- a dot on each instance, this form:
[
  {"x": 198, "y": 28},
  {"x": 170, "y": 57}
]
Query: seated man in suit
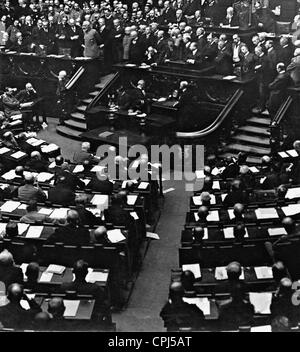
[
  {"x": 61, "y": 193},
  {"x": 85, "y": 154},
  {"x": 33, "y": 214},
  {"x": 248, "y": 63},
  {"x": 32, "y": 275},
  {"x": 72, "y": 181},
  {"x": 231, "y": 168},
  {"x": 236, "y": 194},
  {"x": 58, "y": 162},
  {"x": 188, "y": 280},
  {"x": 73, "y": 233},
  {"x": 100, "y": 236},
  {"x": 30, "y": 192},
  {"x": 81, "y": 286},
  {"x": 86, "y": 217},
  {"x": 13, "y": 315},
  {"x": 223, "y": 60},
  {"x": 11, "y": 230},
  {"x": 239, "y": 232},
  {"x": 178, "y": 314},
  {"x": 116, "y": 214},
  {"x": 9, "y": 273},
  {"x": 27, "y": 96},
  {"x": 100, "y": 183},
  {"x": 237, "y": 311},
  {"x": 37, "y": 163}
]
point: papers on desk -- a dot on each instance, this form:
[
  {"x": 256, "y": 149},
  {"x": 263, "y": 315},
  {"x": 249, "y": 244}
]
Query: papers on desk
[
  {"x": 100, "y": 200},
  {"x": 292, "y": 153},
  {"x": 168, "y": 190},
  {"x": 262, "y": 328},
  {"x": 10, "y": 175},
  {"x": 229, "y": 78},
  {"x": 202, "y": 303},
  {"x": 199, "y": 174},
  {"x": 98, "y": 168},
  {"x": 283, "y": 155},
  {"x": 213, "y": 216},
  {"x": 25, "y": 105},
  {"x": 4, "y": 150},
  {"x": 130, "y": 65},
  {"x": 16, "y": 117},
  {"x": 266, "y": 213},
  {"x": 262, "y": 180},
  {"x": 24, "y": 268},
  {"x": 194, "y": 268},
  {"x": 254, "y": 169},
  {"x": 10, "y": 206},
  {"x": 134, "y": 215},
  {"x": 85, "y": 181},
  {"x": 291, "y": 209},
  {"x": 105, "y": 134},
  {"x": 293, "y": 193},
  {"x": 56, "y": 269},
  {"x": 15, "y": 122},
  {"x": 115, "y": 236},
  {"x": 18, "y": 155},
  {"x": 44, "y": 176},
  {"x": 263, "y": 272},
  {"x": 143, "y": 185},
  {"x": 223, "y": 196},
  {"x": 96, "y": 276},
  {"x": 52, "y": 165},
  {"x": 78, "y": 168},
  {"x": 95, "y": 211},
  {"x": 71, "y": 307},
  {"x": 197, "y": 199},
  {"x": 45, "y": 211},
  {"x": 22, "y": 228},
  {"x": 2, "y": 228},
  {"x": 46, "y": 277},
  {"x": 229, "y": 232},
  {"x": 162, "y": 99},
  {"x": 261, "y": 302},
  {"x": 277, "y": 231},
  {"x": 24, "y": 304},
  {"x": 221, "y": 273},
  {"x": 60, "y": 213},
  {"x": 216, "y": 185},
  {"x": 152, "y": 235},
  {"x": 34, "y": 232},
  {"x": 36, "y": 142},
  {"x": 22, "y": 206},
  {"x": 131, "y": 199},
  {"x": 49, "y": 148}
]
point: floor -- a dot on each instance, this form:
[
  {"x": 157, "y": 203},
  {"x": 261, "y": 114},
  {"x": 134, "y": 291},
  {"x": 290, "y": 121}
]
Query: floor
[{"x": 151, "y": 288}]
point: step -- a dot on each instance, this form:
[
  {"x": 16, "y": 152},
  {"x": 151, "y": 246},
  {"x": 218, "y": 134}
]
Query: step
[
  {"x": 94, "y": 93},
  {"x": 254, "y": 130},
  {"x": 78, "y": 116},
  {"x": 250, "y": 160},
  {"x": 259, "y": 121},
  {"x": 252, "y": 139},
  {"x": 79, "y": 126},
  {"x": 68, "y": 132},
  {"x": 81, "y": 108},
  {"x": 248, "y": 149},
  {"x": 87, "y": 101}
]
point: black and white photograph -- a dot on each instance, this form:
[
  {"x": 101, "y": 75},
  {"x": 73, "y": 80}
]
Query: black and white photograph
[{"x": 149, "y": 169}]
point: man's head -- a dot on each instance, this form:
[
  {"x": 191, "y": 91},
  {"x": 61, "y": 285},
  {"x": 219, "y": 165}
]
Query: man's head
[
  {"x": 266, "y": 160},
  {"x": 269, "y": 44},
  {"x": 86, "y": 26},
  {"x": 258, "y": 51},
  {"x": 281, "y": 191},
  {"x": 29, "y": 179},
  {"x": 238, "y": 210},
  {"x": 187, "y": 280},
  {"x": 236, "y": 185},
  {"x": 280, "y": 324},
  {"x": 6, "y": 258},
  {"x": 80, "y": 269},
  {"x": 198, "y": 234},
  {"x": 56, "y": 307},
  {"x": 283, "y": 41},
  {"x": 244, "y": 49},
  {"x": 11, "y": 229},
  {"x": 100, "y": 233},
  {"x": 15, "y": 293},
  {"x": 62, "y": 75},
  {"x": 236, "y": 38},
  {"x": 239, "y": 231},
  {"x": 29, "y": 87},
  {"x": 59, "y": 160},
  {"x": 234, "y": 271},
  {"x": 202, "y": 213},
  {"x": 285, "y": 286},
  {"x": 73, "y": 217},
  {"x": 32, "y": 272},
  {"x": 176, "y": 291},
  {"x": 85, "y": 146},
  {"x": 279, "y": 271},
  {"x": 280, "y": 67},
  {"x": 289, "y": 224}
]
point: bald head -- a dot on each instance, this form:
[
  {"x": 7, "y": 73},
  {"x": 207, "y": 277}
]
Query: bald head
[
  {"x": 15, "y": 293},
  {"x": 234, "y": 271},
  {"x": 73, "y": 217},
  {"x": 19, "y": 170},
  {"x": 203, "y": 213},
  {"x": 6, "y": 258},
  {"x": 35, "y": 155},
  {"x": 238, "y": 210},
  {"x": 289, "y": 224},
  {"x": 100, "y": 232}
]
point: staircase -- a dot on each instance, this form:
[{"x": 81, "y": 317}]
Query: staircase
[
  {"x": 253, "y": 138},
  {"x": 76, "y": 123}
]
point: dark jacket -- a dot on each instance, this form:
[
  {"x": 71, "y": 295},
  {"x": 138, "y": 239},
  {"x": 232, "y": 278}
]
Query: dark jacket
[
  {"x": 69, "y": 234},
  {"x": 62, "y": 195},
  {"x": 10, "y": 275},
  {"x": 102, "y": 186}
]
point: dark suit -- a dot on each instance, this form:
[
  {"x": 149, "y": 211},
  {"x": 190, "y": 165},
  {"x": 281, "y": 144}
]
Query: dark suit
[
  {"x": 168, "y": 16},
  {"x": 235, "y": 197},
  {"x": 75, "y": 44},
  {"x": 272, "y": 56},
  {"x": 136, "y": 51},
  {"x": 71, "y": 180},
  {"x": 86, "y": 217},
  {"x": 102, "y": 186},
  {"x": 37, "y": 165},
  {"x": 71, "y": 235},
  {"x": 25, "y": 96},
  {"x": 223, "y": 63},
  {"x": 264, "y": 76},
  {"x": 285, "y": 54},
  {"x": 117, "y": 216},
  {"x": 10, "y": 275},
  {"x": 210, "y": 51},
  {"x": 14, "y": 316},
  {"x": 278, "y": 92},
  {"x": 201, "y": 42},
  {"x": 248, "y": 65},
  {"x": 236, "y": 314},
  {"x": 62, "y": 195}
]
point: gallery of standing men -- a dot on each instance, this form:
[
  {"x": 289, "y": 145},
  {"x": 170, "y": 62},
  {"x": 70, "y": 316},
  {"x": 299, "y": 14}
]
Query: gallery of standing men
[{"x": 83, "y": 81}]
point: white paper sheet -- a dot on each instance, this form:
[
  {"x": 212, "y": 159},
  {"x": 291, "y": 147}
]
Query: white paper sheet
[
  {"x": 277, "y": 231},
  {"x": 45, "y": 211},
  {"x": 22, "y": 228},
  {"x": 194, "y": 268},
  {"x": 143, "y": 185},
  {"x": 261, "y": 302},
  {"x": 9, "y": 175},
  {"x": 46, "y": 277},
  {"x": 293, "y": 153},
  {"x": 71, "y": 307},
  {"x": 213, "y": 216},
  {"x": 96, "y": 276},
  {"x": 200, "y": 173},
  {"x": 4, "y": 150},
  {"x": 34, "y": 231},
  {"x": 293, "y": 193},
  {"x": 44, "y": 176},
  {"x": 56, "y": 269},
  {"x": 134, "y": 215},
  {"x": 60, "y": 213},
  {"x": 291, "y": 209},
  {"x": 18, "y": 155},
  {"x": 115, "y": 236},
  {"x": 263, "y": 272},
  {"x": 221, "y": 273},
  {"x": 283, "y": 154},
  {"x": 262, "y": 328},
  {"x": 216, "y": 185},
  {"x": 78, "y": 168},
  {"x": 202, "y": 303},
  {"x": 9, "y": 206},
  {"x": 131, "y": 199},
  {"x": 266, "y": 213}
]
